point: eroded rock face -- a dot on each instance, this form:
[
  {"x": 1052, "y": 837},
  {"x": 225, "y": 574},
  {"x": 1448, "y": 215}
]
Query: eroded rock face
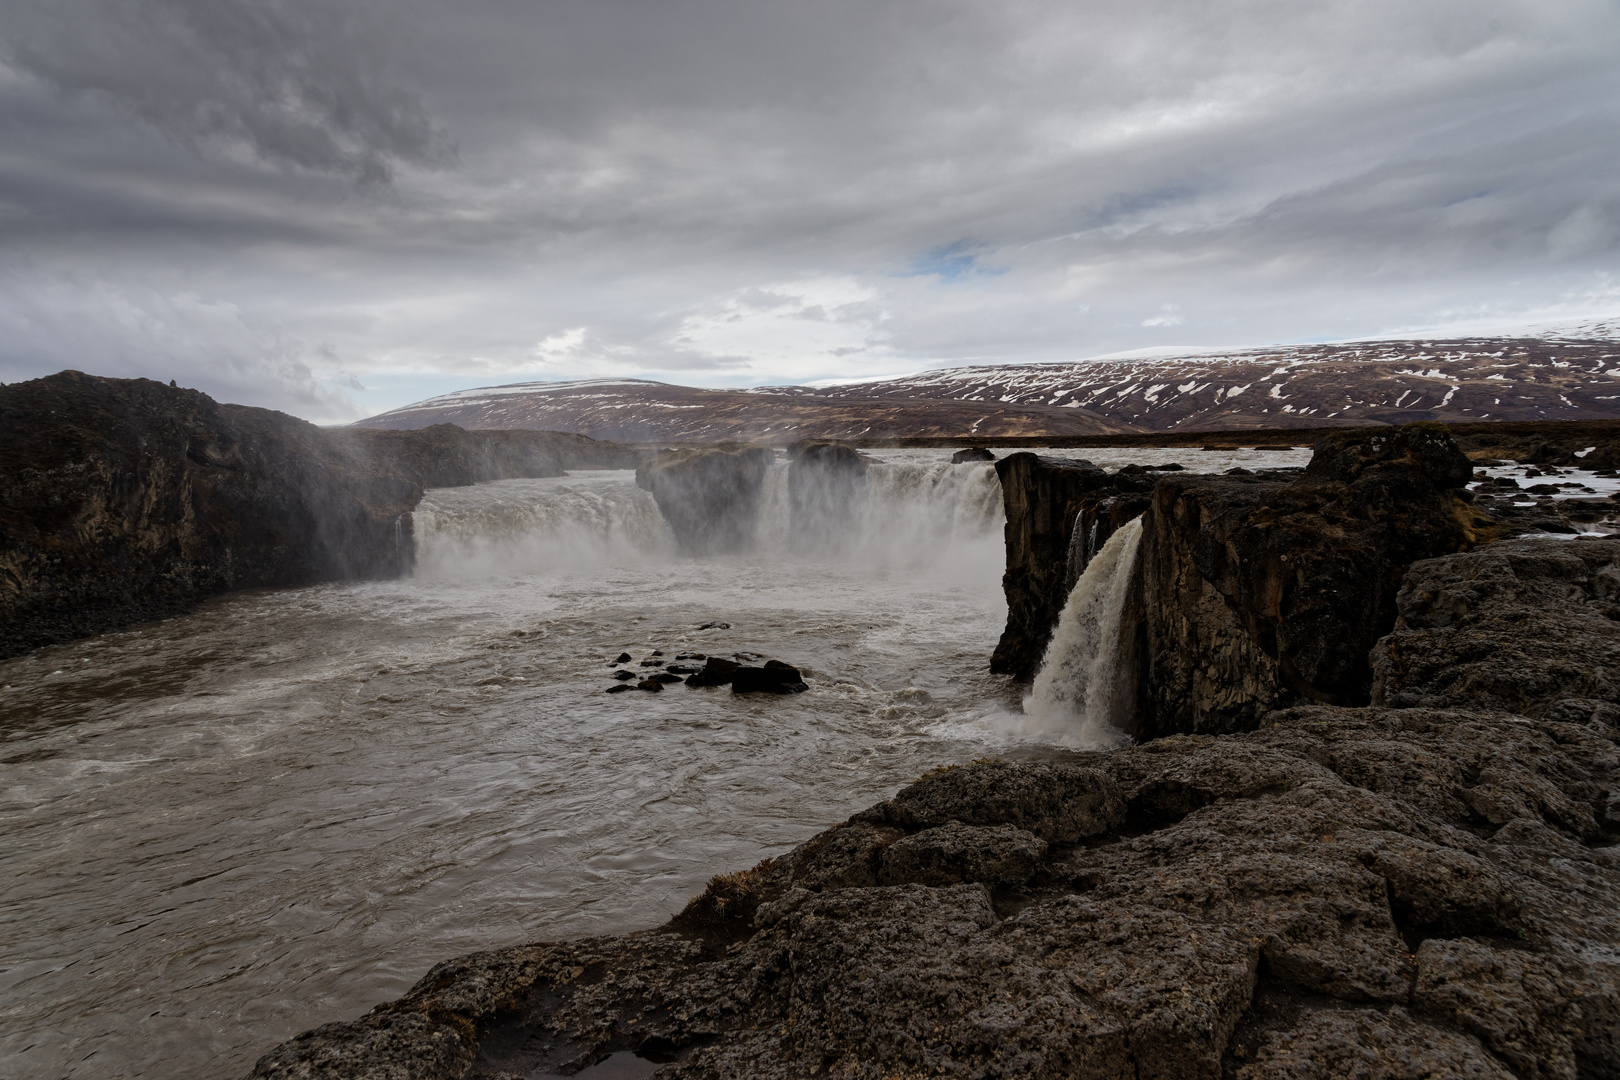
[
  {"x": 124, "y": 500},
  {"x": 1367, "y": 886},
  {"x": 710, "y": 498},
  {"x": 1258, "y": 593}
]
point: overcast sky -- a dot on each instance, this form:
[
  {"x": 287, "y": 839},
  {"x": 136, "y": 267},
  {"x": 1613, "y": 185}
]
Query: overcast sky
[{"x": 337, "y": 206}]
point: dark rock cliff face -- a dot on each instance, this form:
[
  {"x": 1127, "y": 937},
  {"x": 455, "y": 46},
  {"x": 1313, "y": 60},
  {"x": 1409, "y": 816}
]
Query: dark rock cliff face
[
  {"x": 1059, "y": 513},
  {"x": 1260, "y": 594},
  {"x": 710, "y": 498},
  {"x": 827, "y": 492},
  {"x": 123, "y": 500},
  {"x": 1376, "y": 892}
]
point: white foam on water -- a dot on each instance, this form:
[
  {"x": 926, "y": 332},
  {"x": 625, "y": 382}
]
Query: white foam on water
[{"x": 1081, "y": 695}]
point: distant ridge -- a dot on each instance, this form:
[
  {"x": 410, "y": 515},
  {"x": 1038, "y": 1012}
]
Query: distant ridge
[{"x": 1566, "y": 374}]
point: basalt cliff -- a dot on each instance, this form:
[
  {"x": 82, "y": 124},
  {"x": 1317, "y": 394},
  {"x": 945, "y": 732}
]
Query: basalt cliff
[
  {"x": 124, "y": 500},
  {"x": 1394, "y": 863}
]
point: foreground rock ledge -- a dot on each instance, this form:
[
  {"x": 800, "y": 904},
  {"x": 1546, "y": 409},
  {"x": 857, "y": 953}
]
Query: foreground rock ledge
[{"x": 1372, "y": 892}]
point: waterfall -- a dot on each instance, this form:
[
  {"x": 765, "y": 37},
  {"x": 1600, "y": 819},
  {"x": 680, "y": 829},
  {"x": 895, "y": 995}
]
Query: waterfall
[
  {"x": 1081, "y": 687},
  {"x": 911, "y": 511},
  {"x": 521, "y": 526}
]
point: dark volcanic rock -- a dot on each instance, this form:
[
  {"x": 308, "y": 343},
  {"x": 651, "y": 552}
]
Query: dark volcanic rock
[
  {"x": 774, "y": 677},
  {"x": 624, "y": 675},
  {"x": 972, "y": 453},
  {"x": 123, "y": 500},
  {"x": 127, "y": 500},
  {"x": 653, "y": 684},
  {"x": 1527, "y": 626},
  {"x": 827, "y": 493},
  {"x": 1258, "y": 594},
  {"x": 709, "y": 497},
  {"x": 717, "y": 671},
  {"x": 1355, "y": 889},
  {"x": 954, "y": 853}
]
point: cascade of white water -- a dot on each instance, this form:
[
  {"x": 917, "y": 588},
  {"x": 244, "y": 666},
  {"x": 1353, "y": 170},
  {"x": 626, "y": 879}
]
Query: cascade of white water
[
  {"x": 1081, "y": 685},
  {"x": 572, "y": 522},
  {"x": 912, "y": 509}
]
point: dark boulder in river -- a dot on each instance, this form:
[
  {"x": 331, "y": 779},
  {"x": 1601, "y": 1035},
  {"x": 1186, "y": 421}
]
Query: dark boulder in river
[
  {"x": 774, "y": 677},
  {"x": 972, "y": 453},
  {"x": 710, "y": 497},
  {"x": 124, "y": 500},
  {"x": 716, "y": 671}
]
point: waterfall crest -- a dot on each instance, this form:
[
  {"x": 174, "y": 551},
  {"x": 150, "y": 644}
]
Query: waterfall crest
[{"x": 1080, "y": 687}]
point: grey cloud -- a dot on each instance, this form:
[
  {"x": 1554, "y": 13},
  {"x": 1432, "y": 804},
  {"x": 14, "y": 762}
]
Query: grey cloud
[
  {"x": 297, "y": 83},
  {"x": 644, "y": 171}
]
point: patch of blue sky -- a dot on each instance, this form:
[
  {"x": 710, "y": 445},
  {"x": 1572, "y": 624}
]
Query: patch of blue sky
[{"x": 951, "y": 263}]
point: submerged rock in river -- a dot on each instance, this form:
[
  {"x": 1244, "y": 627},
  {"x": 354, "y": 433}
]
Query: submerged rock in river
[{"x": 774, "y": 677}]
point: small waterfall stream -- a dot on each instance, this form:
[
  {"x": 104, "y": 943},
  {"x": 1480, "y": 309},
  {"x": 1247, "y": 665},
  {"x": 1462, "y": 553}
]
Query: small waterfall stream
[{"x": 1080, "y": 686}]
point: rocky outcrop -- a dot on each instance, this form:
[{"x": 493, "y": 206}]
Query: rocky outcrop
[
  {"x": 1059, "y": 513},
  {"x": 1258, "y": 594},
  {"x": 972, "y": 454},
  {"x": 710, "y": 498},
  {"x": 1343, "y": 892},
  {"x": 124, "y": 500},
  {"x": 827, "y": 493},
  {"x": 1529, "y": 626}
]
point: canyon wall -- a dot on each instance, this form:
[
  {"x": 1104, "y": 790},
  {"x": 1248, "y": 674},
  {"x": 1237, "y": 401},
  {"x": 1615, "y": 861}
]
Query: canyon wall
[{"x": 124, "y": 500}]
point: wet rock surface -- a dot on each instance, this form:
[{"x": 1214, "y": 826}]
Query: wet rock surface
[
  {"x": 1373, "y": 887},
  {"x": 741, "y": 671},
  {"x": 972, "y": 453},
  {"x": 125, "y": 500}
]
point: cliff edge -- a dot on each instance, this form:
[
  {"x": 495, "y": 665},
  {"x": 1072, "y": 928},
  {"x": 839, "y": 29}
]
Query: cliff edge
[{"x": 124, "y": 500}]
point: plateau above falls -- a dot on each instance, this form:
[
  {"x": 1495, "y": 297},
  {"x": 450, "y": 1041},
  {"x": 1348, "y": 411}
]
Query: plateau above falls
[{"x": 1548, "y": 377}]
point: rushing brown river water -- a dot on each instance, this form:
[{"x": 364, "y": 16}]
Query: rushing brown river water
[{"x": 281, "y": 809}]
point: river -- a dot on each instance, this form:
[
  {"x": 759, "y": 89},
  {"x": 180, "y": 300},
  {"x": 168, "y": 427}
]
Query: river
[{"x": 282, "y": 808}]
